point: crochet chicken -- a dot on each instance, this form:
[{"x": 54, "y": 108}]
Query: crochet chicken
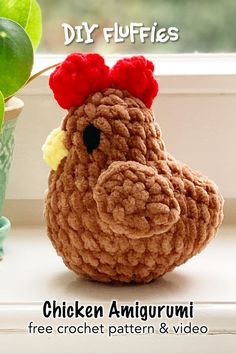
[{"x": 119, "y": 208}]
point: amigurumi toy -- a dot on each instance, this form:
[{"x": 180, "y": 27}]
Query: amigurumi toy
[{"x": 119, "y": 207}]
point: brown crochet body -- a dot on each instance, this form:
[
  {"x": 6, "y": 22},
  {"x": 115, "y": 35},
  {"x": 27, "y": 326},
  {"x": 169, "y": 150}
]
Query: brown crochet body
[{"x": 124, "y": 221}]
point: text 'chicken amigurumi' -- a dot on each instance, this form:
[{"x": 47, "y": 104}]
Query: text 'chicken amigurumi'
[{"x": 119, "y": 207}]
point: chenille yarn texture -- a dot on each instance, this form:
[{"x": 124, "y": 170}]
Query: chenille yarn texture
[{"x": 125, "y": 211}]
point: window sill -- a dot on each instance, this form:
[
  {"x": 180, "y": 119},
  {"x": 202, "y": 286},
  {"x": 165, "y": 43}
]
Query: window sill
[
  {"x": 199, "y": 280},
  {"x": 42, "y": 276}
]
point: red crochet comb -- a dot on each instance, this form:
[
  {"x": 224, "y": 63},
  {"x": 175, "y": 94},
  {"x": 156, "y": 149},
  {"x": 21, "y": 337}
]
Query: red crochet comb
[
  {"x": 135, "y": 75},
  {"x": 77, "y": 77},
  {"x": 82, "y": 74}
]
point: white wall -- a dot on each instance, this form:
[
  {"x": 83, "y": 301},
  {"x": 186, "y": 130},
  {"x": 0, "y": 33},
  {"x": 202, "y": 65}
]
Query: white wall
[{"x": 196, "y": 114}]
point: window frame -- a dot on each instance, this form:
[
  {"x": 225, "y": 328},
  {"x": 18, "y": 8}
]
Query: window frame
[{"x": 178, "y": 73}]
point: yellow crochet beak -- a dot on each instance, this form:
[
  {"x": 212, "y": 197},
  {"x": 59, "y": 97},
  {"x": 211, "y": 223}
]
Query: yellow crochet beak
[{"x": 54, "y": 149}]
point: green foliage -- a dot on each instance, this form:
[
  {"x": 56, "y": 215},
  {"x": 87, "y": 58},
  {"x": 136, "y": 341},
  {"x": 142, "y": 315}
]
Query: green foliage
[
  {"x": 27, "y": 13},
  {"x": 16, "y": 57},
  {"x": 204, "y": 25},
  {"x": 1, "y": 109}
]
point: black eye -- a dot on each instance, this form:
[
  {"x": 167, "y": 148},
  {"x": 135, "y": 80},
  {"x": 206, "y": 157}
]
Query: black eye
[{"x": 91, "y": 137}]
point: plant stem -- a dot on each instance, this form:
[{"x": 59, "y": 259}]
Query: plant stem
[{"x": 41, "y": 72}]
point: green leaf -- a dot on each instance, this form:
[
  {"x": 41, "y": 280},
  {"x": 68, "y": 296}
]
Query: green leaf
[
  {"x": 1, "y": 110},
  {"x": 27, "y": 13},
  {"x": 16, "y": 57},
  {"x": 34, "y": 24}
]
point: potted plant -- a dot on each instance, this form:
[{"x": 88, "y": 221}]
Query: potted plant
[{"x": 20, "y": 33}]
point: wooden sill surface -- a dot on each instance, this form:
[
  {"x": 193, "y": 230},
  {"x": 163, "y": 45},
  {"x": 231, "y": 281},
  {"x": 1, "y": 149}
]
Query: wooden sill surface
[{"x": 31, "y": 271}]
